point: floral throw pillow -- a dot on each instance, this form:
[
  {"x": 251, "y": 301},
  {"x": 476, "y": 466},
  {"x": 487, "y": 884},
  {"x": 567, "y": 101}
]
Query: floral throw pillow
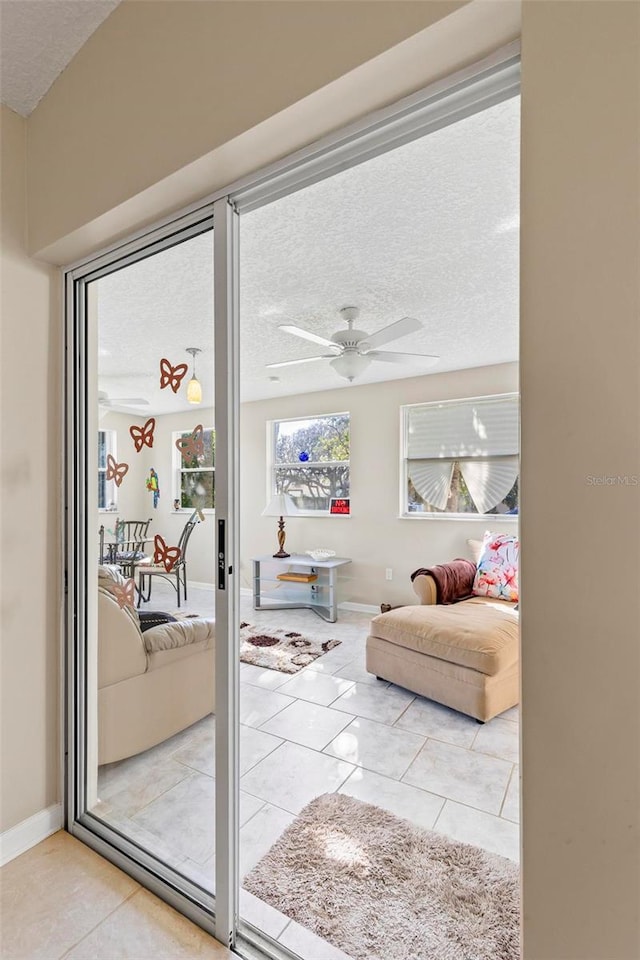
[{"x": 497, "y": 573}]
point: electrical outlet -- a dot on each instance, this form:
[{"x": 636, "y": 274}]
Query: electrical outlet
[{"x": 388, "y": 574}]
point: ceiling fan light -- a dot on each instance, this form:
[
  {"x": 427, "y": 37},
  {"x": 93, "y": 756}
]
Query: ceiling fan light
[
  {"x": 350, "y": 365},
  {"x": 194, "y": 391}
]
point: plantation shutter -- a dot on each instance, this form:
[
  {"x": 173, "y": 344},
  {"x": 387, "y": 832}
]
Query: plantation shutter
[{"x": 482, "y": 435}]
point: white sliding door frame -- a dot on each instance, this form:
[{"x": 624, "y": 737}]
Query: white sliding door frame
[
  {"x": 491, "y": 81},
  {"x": 227, "y": 411},
  {"x": 81, "y": 554}
]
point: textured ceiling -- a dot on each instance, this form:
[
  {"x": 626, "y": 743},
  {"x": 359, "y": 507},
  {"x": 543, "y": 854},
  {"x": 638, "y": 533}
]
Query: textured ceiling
[
  {"x": 38, "y": 38},
  {"x": 429, "y": 230}
]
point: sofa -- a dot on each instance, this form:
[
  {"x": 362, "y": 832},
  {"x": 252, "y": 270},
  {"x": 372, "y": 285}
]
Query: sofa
[
  {"x": 151, "y": 684},
  {"x": 465, "y": 655}
]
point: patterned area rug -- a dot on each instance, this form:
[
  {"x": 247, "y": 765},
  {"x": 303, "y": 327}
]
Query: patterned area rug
[
  {"x": 282, "y": 650},
  {"x": 380, "y": 888}
]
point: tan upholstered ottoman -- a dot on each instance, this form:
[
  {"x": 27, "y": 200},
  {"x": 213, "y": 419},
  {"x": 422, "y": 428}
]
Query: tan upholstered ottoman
[{"x": 465, "y": 655}]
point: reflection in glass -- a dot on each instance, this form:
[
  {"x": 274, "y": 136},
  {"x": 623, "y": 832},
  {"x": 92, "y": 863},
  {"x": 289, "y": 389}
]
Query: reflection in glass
[{"x": 151, "y": 727}]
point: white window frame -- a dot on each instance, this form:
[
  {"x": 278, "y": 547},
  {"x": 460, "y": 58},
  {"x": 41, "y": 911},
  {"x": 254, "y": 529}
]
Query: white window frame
[
  {"x": 404, "y": 512},
  {"x": 272, "y": 464},
  {"x": 110, "y": 488},
  {"x": 177, "y": 471}
]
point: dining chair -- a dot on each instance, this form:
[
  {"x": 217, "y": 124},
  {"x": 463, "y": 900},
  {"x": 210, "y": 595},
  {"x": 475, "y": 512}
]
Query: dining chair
[
  {"x": 177, "y": 576},
  {"x": 128, "y": 549}
]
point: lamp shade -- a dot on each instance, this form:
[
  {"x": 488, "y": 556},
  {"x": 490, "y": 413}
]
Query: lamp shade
[
  {"x": 194, "y": 391},
  {"x": 281, "y": 505}
]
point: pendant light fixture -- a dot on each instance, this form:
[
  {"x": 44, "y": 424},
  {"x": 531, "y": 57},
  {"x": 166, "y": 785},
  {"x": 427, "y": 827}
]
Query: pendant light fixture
[{"x": 194, "y": 387}]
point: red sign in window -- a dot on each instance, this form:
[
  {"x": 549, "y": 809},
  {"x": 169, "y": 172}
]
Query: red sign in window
[{"x": 340, "y": 506}]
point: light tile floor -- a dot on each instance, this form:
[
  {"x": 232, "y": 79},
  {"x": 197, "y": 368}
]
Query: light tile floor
[
  {"x": 61, "y": 901},
  {"x": 331, "y": 727}
]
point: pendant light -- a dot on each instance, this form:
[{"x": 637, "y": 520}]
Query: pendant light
[{"x": 194, "y": 387}]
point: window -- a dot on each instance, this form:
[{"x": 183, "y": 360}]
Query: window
[
  {"x": 107, "y": 490},
  {"x": 310, "y": 460},
  {"x": 461, "y": 457},
  {"x": 195, "y": 476}
]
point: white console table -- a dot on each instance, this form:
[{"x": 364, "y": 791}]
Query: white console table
[{"x": 319, "y": 595}]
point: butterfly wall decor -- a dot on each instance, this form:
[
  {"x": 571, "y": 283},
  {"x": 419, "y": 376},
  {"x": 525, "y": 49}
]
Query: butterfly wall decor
[
  {"x": 171, "y": 376},
  {"x": 163, "y": 555},
  {"x": 143, "y": 436},
  {"x": 116, "y": 471},
  {"x": 192, "y": 445},
  {"x": 124, "y": 593}
]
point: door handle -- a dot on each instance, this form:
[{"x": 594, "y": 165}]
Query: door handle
[{"x": 222, "y": 559}]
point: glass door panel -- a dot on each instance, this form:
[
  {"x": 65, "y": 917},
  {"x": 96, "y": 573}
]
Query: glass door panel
[
  {"x": 150, "y": 521},
  {"x": 354, "y": 290}
]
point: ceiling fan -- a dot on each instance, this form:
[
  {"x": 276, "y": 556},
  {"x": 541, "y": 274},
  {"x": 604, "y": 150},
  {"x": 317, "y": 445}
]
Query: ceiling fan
[
  {"x": 104, "y": 400},
  {"x": 353, "y": 350}
]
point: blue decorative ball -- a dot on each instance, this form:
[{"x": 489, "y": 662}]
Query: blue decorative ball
[{"x": 304, "y": 456}]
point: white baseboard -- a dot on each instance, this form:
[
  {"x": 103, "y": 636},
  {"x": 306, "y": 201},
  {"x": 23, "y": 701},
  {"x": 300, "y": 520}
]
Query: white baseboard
[
  {"x": 26, "y": 834},
  {"x": 359, "y": 607}
]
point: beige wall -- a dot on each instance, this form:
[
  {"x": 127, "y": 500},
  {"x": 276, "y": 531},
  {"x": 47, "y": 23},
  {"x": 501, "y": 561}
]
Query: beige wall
[
  {"x": 164, "y": 82},
  {"x": 580, "y": 375},
  {"x": 373, "y": 536},
  {"x": 29, "y": 504}
]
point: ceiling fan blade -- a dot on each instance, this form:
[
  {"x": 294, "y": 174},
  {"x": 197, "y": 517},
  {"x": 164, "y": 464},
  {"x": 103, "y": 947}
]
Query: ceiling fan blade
[
  {"x": 395, "y": 330},
  {"x": 306, "y": 334},
  {"x": 291, "y": 363},
  {"x": 388, "y": 356}
]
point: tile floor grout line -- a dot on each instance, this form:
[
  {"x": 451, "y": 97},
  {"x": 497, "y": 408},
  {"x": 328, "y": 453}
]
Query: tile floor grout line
[
  {"x": 330, "y": 704},
  {"x": 255, "y": 814},
  {"x": 453, "y": 800},
  {"x": 351, "y": 772},
  {"x": 473, "y": 742},
  {"x": 504, "y": 799},
  {"x": 133, "y": 893},
  {"x": 431, "y": 793},
  {"x": 401, "y": 779},
  {"x": 279, "y": 710},
  {"x": 403, "y": 713},
  {"x": 413, "y": 758},
  {"x": 449, "y": 743},
  {"x": 286, "y": 927},
  {"x": 412, "y": 786},
  {"x": 435, "y": 822},
  {"x": 488, "y": 813},
  {"x": 361, "y": 766},
  {"x": 271, "y": 751},
  {"x": 149, "y": 802}
]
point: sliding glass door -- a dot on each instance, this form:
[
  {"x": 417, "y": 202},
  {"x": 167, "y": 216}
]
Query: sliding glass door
[
  {"x": 235, "y": 379},
  {"x": 142, "y": 472}
]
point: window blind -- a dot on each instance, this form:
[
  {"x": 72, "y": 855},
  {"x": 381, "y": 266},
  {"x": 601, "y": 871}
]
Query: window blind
[
  {"x": 485, "y": 427},
  {"x": 481, "y": 435}
]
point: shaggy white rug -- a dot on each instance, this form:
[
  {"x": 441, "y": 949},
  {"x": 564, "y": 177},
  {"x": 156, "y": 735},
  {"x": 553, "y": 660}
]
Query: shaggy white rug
[
  {"x": 379, "y": 888},
  {"x": 283, "y": 650}
]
